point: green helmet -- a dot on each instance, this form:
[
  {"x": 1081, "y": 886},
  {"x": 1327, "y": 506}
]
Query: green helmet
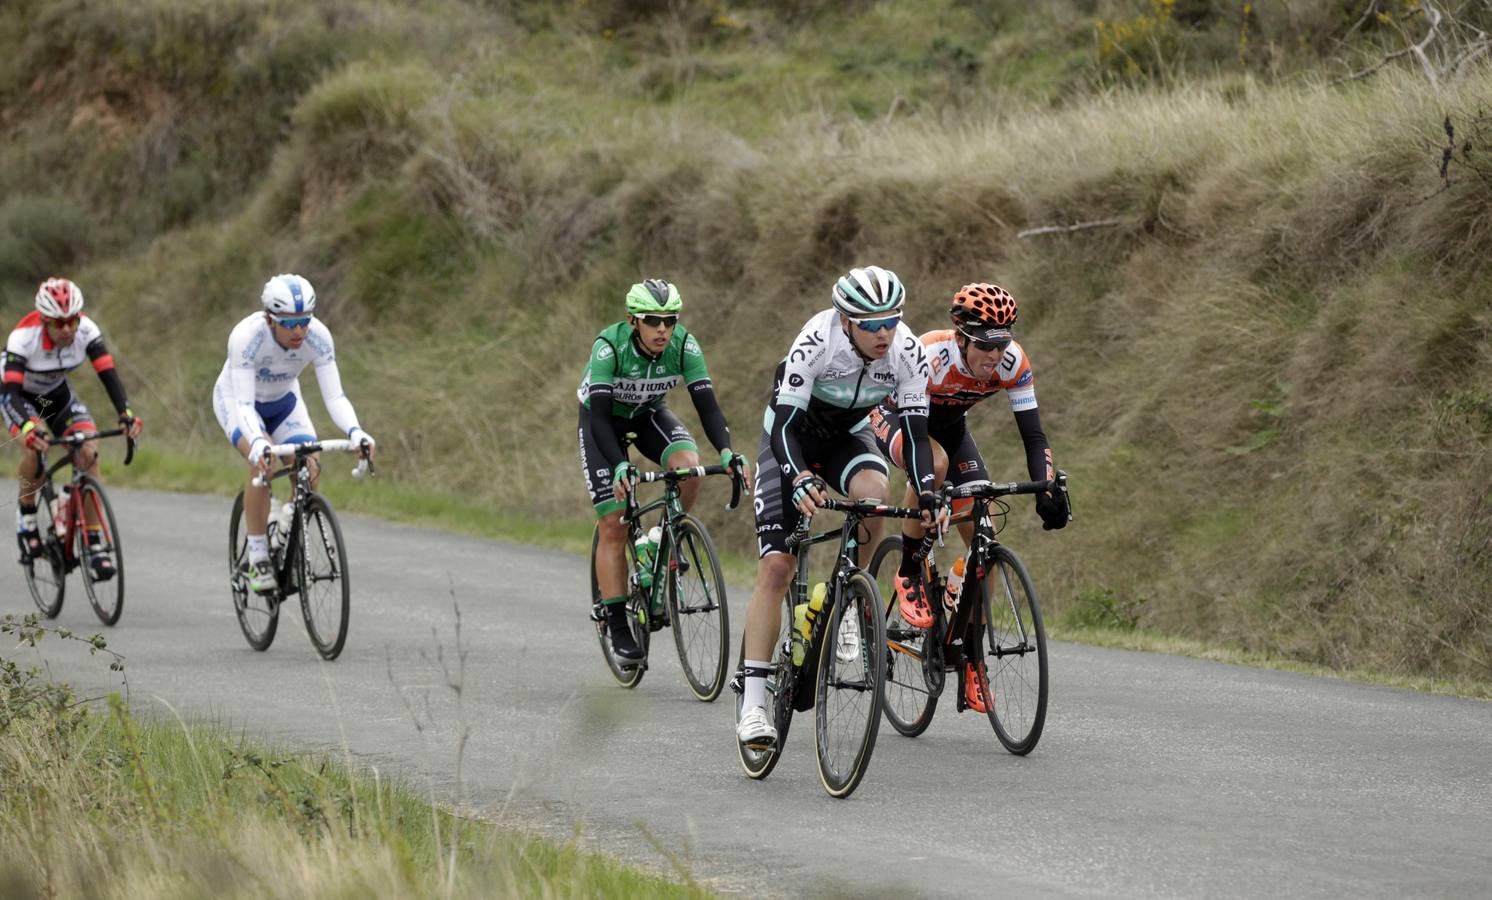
[{"x": 653, "y": 295}]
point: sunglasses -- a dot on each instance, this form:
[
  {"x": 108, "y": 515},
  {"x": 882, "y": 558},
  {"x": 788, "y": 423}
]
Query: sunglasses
[
  {"x": 655, "y": 321},
  {"x": 874, "y": 325},
  {"x": 64, "y": 323},
  {"x": 295, "y": 322},
  {"x": 990, "y": 346}
]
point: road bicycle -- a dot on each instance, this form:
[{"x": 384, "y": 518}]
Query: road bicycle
[
  {"x": 680, "y": 585},
  {"x": 842, "y": 660},
  {"x": 75, "y": 526},
  {"x": 996, "y": 619},
  {"x": 307, "y": 552}
]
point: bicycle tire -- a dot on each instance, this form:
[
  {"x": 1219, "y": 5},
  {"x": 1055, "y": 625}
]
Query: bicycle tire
[
  {"x": 849, "y": 688},
  {"x": 909, "y": 701},
  {"x": 697, "y": 609},
  {"x": 258, "y": 616},
  {"x": 1016, "y": 656},
  {"x": 88, "y": 491},
  {"x": 627, "y": 675},
  {"x": 758, "y": 764},
  {"x": 322, "y": 570},
  {"x": 46, "y": 575}
]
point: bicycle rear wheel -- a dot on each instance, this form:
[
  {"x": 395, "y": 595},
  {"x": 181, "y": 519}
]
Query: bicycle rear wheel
[
  {"x": 106, "y": 597},
  {"x": 258, "y": 615},
  {"x": 780, "y": 684},
  {"x": 626, "y": 672},
  {"x": 696, "y": 606},
  {"x": 1016, "y": 658},
  {"x": 325, "y": 593},
  {"x": 909, "y": 704},
  {"x": 46, "y": 575},
  {"x": 851, "y": 673}
]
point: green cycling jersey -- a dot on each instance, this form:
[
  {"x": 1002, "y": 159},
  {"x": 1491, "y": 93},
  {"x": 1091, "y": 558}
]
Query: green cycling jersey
[{"x": 637, "y": 382}]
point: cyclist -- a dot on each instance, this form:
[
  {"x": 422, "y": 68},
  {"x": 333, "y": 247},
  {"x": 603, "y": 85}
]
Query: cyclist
[
  {"x": 633, "y": 364},
  {"x": 844, "y": 361},
  {"x": 45, "y": 345},
  {"x": 975, "y": 359},
  {"x": 258, "y": 402}
]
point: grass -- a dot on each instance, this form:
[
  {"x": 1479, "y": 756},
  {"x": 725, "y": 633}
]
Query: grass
[
  {"x": 101, "y": 803},
  {"x": 1252, "y": 377}
]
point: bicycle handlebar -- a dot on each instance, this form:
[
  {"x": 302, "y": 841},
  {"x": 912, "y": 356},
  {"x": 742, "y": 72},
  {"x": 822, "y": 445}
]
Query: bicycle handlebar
[
  {"x": 306, "y": 448},
  {"x": 864, "y": 508},
  {"x": 990, "y": 489},
  {"x": 673, "y": 476},
  {"x": 78, "y": 438}
]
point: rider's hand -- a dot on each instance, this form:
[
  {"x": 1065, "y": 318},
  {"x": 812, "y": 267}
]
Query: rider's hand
[
  {"x": 621, "y": 480},
  {"x": 131, "y": 423},
  {"x": 934, "y": 512},
  {"x": 808, "y": 493},
  {"x": 259, "y": 458},
  {"x": 359, "y": 436},
  {"x": 34, "y": 436},
  {"x": 730, "y": 459},
  {"x": 1052, "y": 507}
]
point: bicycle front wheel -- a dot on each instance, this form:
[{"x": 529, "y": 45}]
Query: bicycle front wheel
[
  {"x": 781, "y": 682},
  {"x": 106, "y": 597},
  {"x": 851, "y": 671},
  {"x": 1016, "y": 658},
  {"x": 909, "y": 703},
  {"x": 46, "y": 575},
  {"x": 629, "y": 674},
  {"x": 696, "y": 604},
  {"x": 325, "y": 592},
  {"x": 258, "y": 615}
]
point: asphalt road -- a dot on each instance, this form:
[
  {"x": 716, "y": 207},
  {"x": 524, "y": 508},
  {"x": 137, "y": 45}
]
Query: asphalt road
[{"x": 1156, "y": 776}]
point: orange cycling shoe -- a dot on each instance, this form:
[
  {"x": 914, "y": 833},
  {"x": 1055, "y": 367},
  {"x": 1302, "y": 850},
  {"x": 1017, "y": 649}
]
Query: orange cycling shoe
[
  {"x": 913, "y": 602},
  {"x": 976, "y": 682}
]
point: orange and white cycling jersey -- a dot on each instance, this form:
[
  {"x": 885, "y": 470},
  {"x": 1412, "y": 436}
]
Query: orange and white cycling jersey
[{"x": 951, "y": 389}]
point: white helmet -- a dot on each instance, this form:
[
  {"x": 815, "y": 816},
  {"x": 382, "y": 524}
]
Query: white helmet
[
  {"x": 288, "y": 295},
  {"x": 59, "y": 298}
]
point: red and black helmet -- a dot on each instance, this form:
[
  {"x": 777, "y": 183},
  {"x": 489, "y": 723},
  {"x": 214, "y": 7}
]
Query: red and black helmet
[{"x": 984, "y": 312}]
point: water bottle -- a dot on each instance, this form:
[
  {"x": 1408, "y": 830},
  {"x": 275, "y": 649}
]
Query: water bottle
[
  {"x": 59, "y": 512},
  {"x": 647, "y": 546},
  {"x": 804, "y": 615},
  {"x": 279, "y": 523},
  {"x": 955, "y": 584}
]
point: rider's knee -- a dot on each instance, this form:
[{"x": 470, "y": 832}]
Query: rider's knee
[{"x": 868, "y": 484}]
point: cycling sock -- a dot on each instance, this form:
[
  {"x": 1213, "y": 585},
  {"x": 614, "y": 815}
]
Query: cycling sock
[
  {"x": 258, "y": 548},
  {"x": 755, "y": 672},
  {"x": 910, "y": 566},
  {"x": 27, "y": 509}
]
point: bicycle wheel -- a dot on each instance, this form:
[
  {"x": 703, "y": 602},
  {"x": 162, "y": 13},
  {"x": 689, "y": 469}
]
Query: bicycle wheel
[
  {"x": 696, "y": 606},
  {"x": 626, "y": 673},
  {"x": 851, "y": 678},
  {"x": 1016, "y": 658},
  {"x": 106, "y": 597},
  {"x": 258, "y": 615},
  {"x": 46, "y": 575},
  {"x": 909, "y": 704},
  {"x": 325, "y": 592},
  {"x": 780, "y": 683}
]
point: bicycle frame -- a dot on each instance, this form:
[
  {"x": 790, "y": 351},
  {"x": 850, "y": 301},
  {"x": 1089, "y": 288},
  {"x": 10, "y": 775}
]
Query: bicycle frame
[
  {"x": 300, "y": 471},
  {"x": 74, "y": 515}
]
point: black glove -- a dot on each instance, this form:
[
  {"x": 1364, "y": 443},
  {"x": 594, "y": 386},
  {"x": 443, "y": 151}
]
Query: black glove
[
  {"x": 1052, "y": 508},
  {"x": 930, "y": 502}
]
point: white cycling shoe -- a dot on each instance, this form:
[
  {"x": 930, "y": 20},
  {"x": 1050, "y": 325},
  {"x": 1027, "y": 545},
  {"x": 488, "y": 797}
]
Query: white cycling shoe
[
  {"x": 755, "y": 731},
  {"x": 847, "y": 645}
]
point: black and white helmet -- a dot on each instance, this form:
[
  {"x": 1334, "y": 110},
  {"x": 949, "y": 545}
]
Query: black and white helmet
[{"x": 870, "y": 292}]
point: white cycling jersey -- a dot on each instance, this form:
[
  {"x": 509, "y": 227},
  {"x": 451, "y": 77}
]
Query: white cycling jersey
[
  {"x": 46, "y": 363},
  {"x": 259, "y": 375}
]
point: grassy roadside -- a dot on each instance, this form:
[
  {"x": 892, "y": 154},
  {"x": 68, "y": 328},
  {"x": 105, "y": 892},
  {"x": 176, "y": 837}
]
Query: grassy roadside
[
  {"x": 1096, "y": 618},
  {"x": 99, "y": 803}
]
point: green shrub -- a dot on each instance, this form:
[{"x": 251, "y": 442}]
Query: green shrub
[{"x": 41, "y": 237}]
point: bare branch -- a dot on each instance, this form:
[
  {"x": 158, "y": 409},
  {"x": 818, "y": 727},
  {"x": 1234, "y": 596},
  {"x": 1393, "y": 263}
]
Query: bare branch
[{"x": 1068, "y": 229}]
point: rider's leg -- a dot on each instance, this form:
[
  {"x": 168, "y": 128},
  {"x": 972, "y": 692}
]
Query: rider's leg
[
  {"x": 611, "y": 560},
  {"x": 255, "y": 507},
  {"x": 868, "y": 484},
  {"x": 684, "y": 458},
  {"x": 912, "y": 531}
]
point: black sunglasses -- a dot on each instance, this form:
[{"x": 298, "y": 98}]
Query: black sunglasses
[
  {"x": 990, "y": 346},
  {"x": 654, "y": 321}
]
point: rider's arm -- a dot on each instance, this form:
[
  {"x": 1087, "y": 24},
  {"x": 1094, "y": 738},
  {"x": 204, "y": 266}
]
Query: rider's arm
[
  {"x": 702, "y": 392},
  {"x": 103, "y": 364},
  {"x": 241, "y": 387},
  {"x": 912, "y": 373},
  {"x": 913, "y": 424},
  {"x": 337, "y": 404},
  {"x": 1038, "y": 453},
  {"x": 1019, "y": 383},
  {"x": 600, "y": 377},
  {"x": 793, "y": 392},
  {"x": 12, "y": 403}
]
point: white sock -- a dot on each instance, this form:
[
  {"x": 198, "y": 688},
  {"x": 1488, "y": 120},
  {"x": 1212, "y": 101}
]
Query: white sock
[
  {"x": 756, "y": 685},
  {"x": 258, "y": 548}
]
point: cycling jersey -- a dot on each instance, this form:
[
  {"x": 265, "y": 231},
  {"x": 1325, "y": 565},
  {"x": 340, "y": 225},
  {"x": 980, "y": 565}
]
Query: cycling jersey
[
  {"x": 636, "y": 381},
  {"x": 37, "y": 367},
  {"x": 259, "y": 387}
]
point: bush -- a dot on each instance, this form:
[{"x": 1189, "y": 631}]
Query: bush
[{"x": 41, "y": 236}]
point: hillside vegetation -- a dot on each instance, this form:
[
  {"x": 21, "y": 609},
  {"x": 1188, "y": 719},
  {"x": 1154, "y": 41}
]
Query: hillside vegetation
[{"x": 1266, "y": 369}]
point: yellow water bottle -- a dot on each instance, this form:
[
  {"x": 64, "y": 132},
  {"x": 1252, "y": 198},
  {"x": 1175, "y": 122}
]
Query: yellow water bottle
[
  {"x": 814, "y": 604},
  {"x": 800, "y": 617}
]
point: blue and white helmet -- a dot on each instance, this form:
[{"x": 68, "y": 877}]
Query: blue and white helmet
[
  {"x": 288, "y": 295},
  {"x": 869, "y": 292}
]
